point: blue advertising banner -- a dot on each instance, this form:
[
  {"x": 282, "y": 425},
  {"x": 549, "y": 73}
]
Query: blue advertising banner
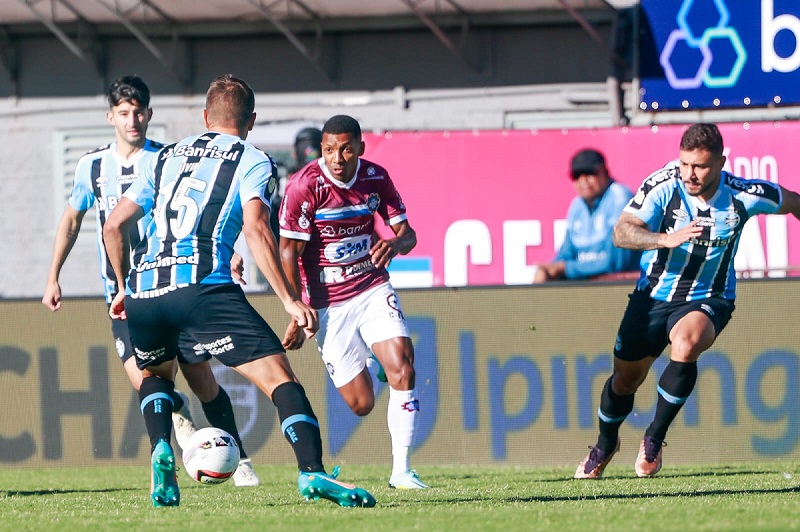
[{"x": 705, "y": 54}]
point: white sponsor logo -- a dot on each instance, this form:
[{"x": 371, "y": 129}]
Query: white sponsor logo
[
  {"x": 157, "y": 292},
  {"x": 149, "y": 355},
  {"x": 168, "y": 261},
  {"x": 750, "y": 188},
  {"x": 348, "y": 249},
  {"x": 196, "y": 151},
  {"x": 713, "y": 243},
  {"x": 661, "y": 176},
  {"x": 680, "y": 215},
  {"x": 705, "y": 221},
  {"x": 338, "y": 274},
  {"x": 219, "y": 346},
  {"x": 188, "y": 168},
  {"x": 346, "y": 231}
]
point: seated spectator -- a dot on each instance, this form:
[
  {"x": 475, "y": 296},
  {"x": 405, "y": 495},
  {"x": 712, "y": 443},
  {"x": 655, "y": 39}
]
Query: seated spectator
[{"x": 588, "y": 251}]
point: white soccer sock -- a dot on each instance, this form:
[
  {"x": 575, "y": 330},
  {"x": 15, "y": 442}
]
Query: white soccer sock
[{"x": 402, "y": 418}]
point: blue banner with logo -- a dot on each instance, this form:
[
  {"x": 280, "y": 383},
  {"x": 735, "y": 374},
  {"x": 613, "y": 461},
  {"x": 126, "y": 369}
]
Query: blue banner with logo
[{"x": 705, "y": 54}]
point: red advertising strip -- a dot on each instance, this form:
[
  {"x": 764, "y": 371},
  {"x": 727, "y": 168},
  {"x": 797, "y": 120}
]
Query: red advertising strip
[{"x": 489, "y": 205}]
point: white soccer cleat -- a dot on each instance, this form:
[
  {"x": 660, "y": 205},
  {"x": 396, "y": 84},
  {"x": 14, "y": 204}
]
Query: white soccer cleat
[
  {"x": 408, "y": 480},
  {"x": 245, "y": 476},
  {"x": 182, "y": 422}
]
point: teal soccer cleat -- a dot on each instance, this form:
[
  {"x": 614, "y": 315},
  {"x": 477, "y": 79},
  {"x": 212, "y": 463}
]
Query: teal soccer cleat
[
  {"x": 320, "y": 485},
  {"x": 165, "y": 484}
]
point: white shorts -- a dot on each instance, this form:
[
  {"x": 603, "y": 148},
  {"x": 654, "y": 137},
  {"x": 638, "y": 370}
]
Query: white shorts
[{"x": 348, "y": 330}]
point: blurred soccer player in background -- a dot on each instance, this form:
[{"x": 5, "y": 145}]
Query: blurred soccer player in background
[
  {"x": 306, "y": 149},
  {"x": 687, "y": 218},
  {"x": 101, "y": 177},
  {"x": 203, "y": 192},
  {"x": 330, "y": 252}
]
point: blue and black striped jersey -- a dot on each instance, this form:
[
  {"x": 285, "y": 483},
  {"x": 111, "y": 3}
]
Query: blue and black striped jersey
[
  {"x": 703, "y": 266},
  {"x": 102, "y": 177},
  {"x": 196, "y": 189}
]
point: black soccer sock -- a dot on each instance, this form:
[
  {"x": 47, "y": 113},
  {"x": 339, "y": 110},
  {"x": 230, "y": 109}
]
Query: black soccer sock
[
  {"x": 177, "y": 401},
  {"x": 612, "y": 413},
  {"x": 674, "y": 388},
  {"x": 299, "y": 425},
  {"x": 155, "y": 400},
  {"x": 219, "y": 412}
]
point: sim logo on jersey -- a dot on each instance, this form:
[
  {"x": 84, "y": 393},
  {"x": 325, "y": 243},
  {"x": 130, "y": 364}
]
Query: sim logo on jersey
[{"x": 699, "y": 40}]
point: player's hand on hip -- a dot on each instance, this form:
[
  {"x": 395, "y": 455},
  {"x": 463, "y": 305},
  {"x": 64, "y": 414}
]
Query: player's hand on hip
[
  {"x": 382, "y": 252},
  {"x": 237, "y": 269},
  {"x": 117, "y": 308}
]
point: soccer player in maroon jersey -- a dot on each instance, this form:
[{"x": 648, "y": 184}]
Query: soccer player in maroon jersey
[{"x": 332, "y": 254}]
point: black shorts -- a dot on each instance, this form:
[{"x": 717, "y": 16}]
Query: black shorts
[
  {"x": 189, "y": 351},
  {"x": 646, "y": 324},
  {"x": 218, "y": 317}
]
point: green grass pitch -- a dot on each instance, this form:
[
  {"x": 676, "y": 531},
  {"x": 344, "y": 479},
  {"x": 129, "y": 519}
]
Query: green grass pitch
[{"x": 762, "y": 496}]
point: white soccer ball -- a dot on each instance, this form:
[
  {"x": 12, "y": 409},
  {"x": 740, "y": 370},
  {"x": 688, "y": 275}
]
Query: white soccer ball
[{"x": 211, "y": 456}]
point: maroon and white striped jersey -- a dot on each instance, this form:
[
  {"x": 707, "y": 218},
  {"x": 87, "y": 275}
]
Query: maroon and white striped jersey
[{"x": 337, "y": 220}]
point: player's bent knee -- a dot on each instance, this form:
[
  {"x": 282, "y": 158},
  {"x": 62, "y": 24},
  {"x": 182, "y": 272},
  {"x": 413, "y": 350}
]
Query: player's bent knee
[
  {"x": 402, "y": 377},
  {"x": 626, "y": 385},
  {"x": 362, "y": 408}
]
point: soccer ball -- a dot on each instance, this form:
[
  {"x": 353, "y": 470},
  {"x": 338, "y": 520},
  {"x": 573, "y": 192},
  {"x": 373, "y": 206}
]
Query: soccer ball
[{"x": 211, "y": 456}]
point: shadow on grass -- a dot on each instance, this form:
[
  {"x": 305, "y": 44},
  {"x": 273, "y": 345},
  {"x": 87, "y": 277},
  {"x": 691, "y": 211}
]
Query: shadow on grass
[
  {"x": 37, "y": 493},
  {"x": 611, "y": 496},
  {"x": 611, "y": 475},
  {"x": 687, "y": 494}
]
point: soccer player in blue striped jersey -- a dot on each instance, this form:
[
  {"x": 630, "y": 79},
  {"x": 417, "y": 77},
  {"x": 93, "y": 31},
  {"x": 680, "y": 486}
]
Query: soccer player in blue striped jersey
[
  {"x": 203, "y": 192},
  {"x": 687, "y": 218},
  {"x": 101, "y": 177}
]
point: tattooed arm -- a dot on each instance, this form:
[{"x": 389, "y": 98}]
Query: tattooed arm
[{"x": 632, "y": 233}]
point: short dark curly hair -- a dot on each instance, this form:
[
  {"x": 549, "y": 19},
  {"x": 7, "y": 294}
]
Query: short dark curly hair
[
  {"x": 341, "y": 124},
  {"x": 702, "y": 136},
  {"x": 128, "y": 89}
]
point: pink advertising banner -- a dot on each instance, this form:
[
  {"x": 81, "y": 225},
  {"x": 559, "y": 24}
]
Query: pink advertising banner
[{"x": 489, "y": 205}]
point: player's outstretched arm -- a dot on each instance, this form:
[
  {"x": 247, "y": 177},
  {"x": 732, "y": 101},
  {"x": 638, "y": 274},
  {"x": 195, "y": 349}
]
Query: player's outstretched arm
[
  {"x": 117, "y": 244},
  {"x": 404, "y": 241},
  {"x": 290, "y": 251},
  {"x": 632, "y": 233},
  {"x": 791, "y": 203},
  {"x": 261, "y": 241},
  {"x": 66, "y": 234}
]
